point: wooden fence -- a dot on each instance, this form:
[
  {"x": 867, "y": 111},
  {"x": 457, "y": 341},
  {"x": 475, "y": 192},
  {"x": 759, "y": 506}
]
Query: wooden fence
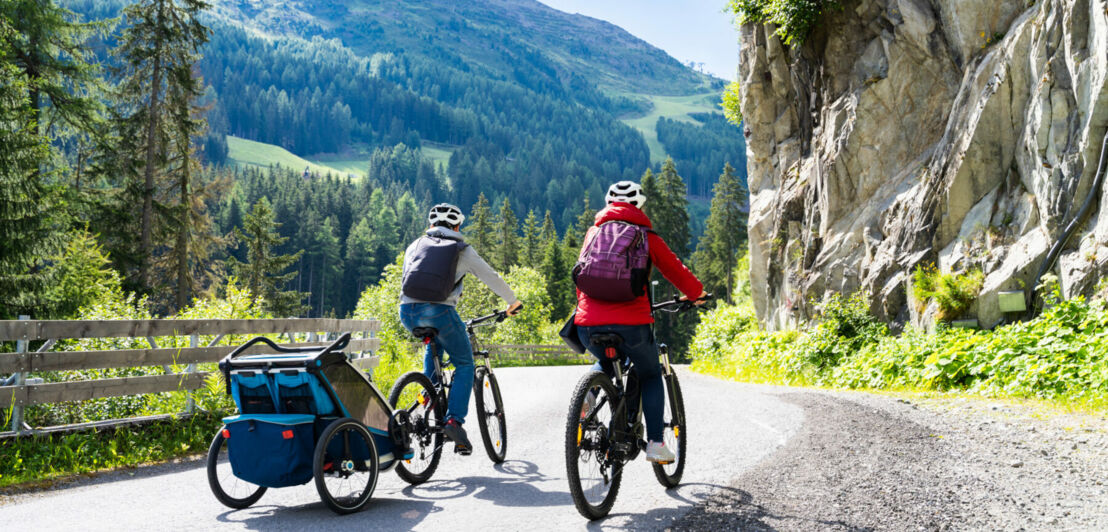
[{"x": 21, "y": 393}]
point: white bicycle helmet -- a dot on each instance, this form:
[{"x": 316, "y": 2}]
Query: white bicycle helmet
[
  {"x": 626, "y": 192},
  {"x": 445, "y": 212}
]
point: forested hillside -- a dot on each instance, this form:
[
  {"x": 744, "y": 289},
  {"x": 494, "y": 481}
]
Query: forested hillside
[
  {"x": 531, "y": 110},
  {"x": 126, "y": 194}
]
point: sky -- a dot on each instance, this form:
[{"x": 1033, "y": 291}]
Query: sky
[{"x": 689, "y": 30}]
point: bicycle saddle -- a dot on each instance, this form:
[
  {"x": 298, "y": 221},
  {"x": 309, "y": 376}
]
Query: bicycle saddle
[
  {"x": 605, "y": 339},
  {"x": 426, "y": 333}
]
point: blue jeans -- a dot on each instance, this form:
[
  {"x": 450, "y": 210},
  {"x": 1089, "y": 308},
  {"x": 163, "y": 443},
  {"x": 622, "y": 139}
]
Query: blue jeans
[
  {"x": 451, "y": 338},
  {"x": 638, "y": 345}
]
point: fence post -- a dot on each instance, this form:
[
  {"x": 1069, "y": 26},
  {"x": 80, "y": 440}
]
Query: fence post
[
  {"x": 190, "y": 402},
  {"x": 20, "y": 379}
]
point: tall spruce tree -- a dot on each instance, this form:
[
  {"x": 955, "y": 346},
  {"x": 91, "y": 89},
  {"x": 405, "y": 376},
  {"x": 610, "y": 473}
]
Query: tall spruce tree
[
  {"x": 507, "y": 233},
  {"x": 559, "y": 283},
  {"x": 724, "y": 234},
  {"x": 532, "y": 241},
  {"x": 481, "y": 233},
  {"x": 549, "y": 233},
  {"x": 667, "y": 207},
  {"x": 156, "y": 54},
  {"x": 264, "y": 271},
  {"x": 49, "y": 92}
]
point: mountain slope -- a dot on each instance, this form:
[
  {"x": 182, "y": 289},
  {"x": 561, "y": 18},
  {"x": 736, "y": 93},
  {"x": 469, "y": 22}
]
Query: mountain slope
[{"x": 495, "y": 36}]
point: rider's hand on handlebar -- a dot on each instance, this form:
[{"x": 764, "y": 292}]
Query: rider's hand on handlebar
[
  {"x": 514, "y": 308},
  {"x": 700, "y": 299}
]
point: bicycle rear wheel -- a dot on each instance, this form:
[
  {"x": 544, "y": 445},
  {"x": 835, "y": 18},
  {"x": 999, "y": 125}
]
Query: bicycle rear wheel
[
  {"x": 490, "y": 414},
  {"x": 675, "y": 435},
  {"x": 414, "y": 393},
  {"x": 594, "y": 477}
]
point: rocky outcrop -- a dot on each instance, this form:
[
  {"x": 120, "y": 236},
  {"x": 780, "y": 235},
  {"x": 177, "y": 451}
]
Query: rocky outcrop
[{"x": 963, "y": 133}]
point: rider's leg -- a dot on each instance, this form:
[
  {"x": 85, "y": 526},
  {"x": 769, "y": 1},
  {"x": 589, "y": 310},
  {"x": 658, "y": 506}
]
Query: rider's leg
[
  {"x": 639, "y": 346},
  {"x": 414, "y": 315},
  {"x": 453, "y": 338}
]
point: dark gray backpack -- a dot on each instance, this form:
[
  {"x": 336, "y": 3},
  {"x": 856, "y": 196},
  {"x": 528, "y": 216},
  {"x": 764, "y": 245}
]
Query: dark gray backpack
[{"x": 430, "y": 270}]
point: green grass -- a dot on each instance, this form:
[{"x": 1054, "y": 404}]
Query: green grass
[
  {"x": 672, "y": 107},
  {"x": 45, "y": 457},
  {"x": 439, "y": 153},
  {"x": 251, "y": 153},
  {"x": 355, "y": 167}
]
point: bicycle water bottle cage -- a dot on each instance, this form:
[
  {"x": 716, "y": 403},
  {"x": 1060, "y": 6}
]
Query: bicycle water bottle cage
[
  {"x": 425, "y": 333},
  {"x": 607, "y": 341}
]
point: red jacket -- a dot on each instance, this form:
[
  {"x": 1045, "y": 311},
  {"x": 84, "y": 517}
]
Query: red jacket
[{"x": 636, "y": 312}]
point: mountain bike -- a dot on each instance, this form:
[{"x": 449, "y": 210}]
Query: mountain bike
[
  {"x": 425, "y": 401},
  {"x": 604, "y": 427}
]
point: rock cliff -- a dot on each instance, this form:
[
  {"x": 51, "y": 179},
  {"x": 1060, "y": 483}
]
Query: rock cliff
[{"x": 960, "y": 133}]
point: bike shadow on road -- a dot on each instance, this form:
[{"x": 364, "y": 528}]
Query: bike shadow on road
[
  {"x": 382, "y": 513},
  {"x": 743, "y": 514},
  {"x": 516, "y": 489}
]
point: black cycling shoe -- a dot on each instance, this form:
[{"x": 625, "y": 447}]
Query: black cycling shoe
[{"x": 455, "y": 432}]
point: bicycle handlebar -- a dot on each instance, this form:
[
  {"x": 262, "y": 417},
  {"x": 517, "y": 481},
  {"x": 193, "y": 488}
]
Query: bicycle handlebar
[
  {"x": 499, "y": 316},
  {"x": 684, "y": 304}
]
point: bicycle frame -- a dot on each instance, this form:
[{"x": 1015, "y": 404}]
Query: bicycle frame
[{"x": 444, "y": 377}]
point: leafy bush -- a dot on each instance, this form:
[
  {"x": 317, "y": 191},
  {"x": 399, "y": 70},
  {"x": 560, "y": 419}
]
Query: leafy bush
[
  {"x": 1062, "y": 354},
  {"x": 952, "y": 293},
  {"x": 794, "y": 18}
]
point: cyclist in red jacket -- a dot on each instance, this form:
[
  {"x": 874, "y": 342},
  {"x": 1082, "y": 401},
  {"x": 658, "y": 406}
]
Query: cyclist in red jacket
[{"x": 632, "y": 320}]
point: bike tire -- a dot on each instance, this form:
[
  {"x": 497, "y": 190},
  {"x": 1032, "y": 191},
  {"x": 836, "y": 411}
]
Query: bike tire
[
  {"x": 425, "y": 437},
  {"x": 676, "y": 433},
  {"x": 216, "y": 483},
  {"x": 494, "y": 427},
  {"x": 601, "y": 490},
  {"x": 330, "y": 470}
]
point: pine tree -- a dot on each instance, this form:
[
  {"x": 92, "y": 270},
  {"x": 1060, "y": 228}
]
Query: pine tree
[
  {"x": 264, "y": 270},
  {"x": 191, "y": 226},
  {"x": 25, "y": 226},
  {"x": 724, "y": 234},
  {"x": 548, "y": 233},
  {"x": 507, "y": 246},
  {"x": 559, "y": 284},
  {"x": 667, "y": 207},
  {"x": 480, "y": 231},
  {"x": 532, "y": 240},
  {"x": 157, "y": 52},
  {"x": 48, "y": 93}
]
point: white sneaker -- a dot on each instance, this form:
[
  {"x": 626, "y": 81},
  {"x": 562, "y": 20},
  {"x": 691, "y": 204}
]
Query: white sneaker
[{"x": 657, "y": 452}]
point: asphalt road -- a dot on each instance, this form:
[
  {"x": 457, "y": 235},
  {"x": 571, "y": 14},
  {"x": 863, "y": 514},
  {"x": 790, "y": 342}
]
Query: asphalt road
[{"x": 731, "y": 428}]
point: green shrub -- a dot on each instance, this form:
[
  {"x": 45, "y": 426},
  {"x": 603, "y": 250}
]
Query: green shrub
[
  {"x": 845, "y": 327},
  {"x": 794, "y": 18},
  {"x": 952, "y": 293},
  {"x": 1061, "y": 355}
]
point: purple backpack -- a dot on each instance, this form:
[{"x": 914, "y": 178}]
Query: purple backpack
[{"x": 615, "y": 264}]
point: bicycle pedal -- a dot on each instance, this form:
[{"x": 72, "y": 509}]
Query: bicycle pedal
[{"x": 463, "y": 450}]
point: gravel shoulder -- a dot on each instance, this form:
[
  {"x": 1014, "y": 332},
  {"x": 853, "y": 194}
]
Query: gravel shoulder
[{"x": 874, "y": 462}]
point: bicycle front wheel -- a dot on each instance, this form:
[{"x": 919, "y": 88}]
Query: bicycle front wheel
[
  {"x": 594, "y": 476},
  {"x": 490, "y": 415},
  {"x": 675, "y": 435}
]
